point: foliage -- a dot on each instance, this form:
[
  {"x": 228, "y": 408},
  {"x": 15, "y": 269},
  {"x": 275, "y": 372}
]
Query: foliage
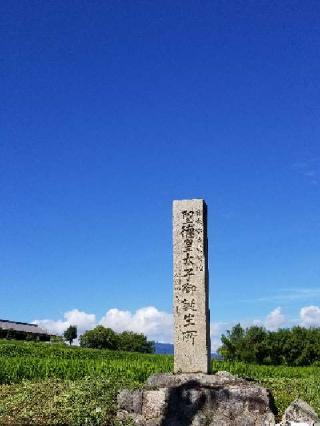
[
  {"x": 135, "y": 342},
  {"x": 61, "y": 351},
  {"x": 70, "y": 334},
  {"x": 297, "y": 346},
  {"x": 59, "y": 384},
  {"x": 56, "y": 339},
  {"x": 24, "y": 360},
  {"x": 89, "y": 401},
  {"x": 105, "y": 338},
  {"x": 99, "y": 338},
  {"x": 12, "y": 334}
]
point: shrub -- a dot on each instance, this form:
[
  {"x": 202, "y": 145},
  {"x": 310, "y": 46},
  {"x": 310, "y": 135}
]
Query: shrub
[
  {"x": 134, "y": 342},
  {"x": 99, "y": 338},
  {"x": 297, "y": 346}
]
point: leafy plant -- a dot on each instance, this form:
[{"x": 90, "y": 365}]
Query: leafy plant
[
  {"x": 297, "y": 346},
  {"x": 70, "y": 334}
]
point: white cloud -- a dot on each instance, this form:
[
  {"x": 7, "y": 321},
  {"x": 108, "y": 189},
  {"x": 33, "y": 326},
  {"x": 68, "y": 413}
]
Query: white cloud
[
  {"x": 81, "y": 319},
  {"x": 288, "y": 295},
  {"x": 275, "y": 319},
  {"x": 310, "y": 316},
  {"x": 216, "y": 330},
  {"x": 156, "y": 325},
  {"x": 215, "y": 343}
]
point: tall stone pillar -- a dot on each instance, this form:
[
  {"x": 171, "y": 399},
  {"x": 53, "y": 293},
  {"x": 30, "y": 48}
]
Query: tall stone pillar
[{"x": 190, "y": 271}]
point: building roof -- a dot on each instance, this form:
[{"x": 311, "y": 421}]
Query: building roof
[{"x": 22, "y": 326}]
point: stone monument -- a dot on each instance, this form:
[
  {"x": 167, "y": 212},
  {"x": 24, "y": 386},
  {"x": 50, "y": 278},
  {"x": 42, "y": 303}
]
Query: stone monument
[
  {"x": 190, "y": 275},
  {"x": 191, "y": 396}
]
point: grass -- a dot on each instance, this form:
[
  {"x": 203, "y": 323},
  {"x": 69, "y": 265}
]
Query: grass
[{"x": 54, "y": 384}]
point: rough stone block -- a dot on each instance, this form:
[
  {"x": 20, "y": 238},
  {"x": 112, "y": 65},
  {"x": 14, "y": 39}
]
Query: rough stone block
[
  {"x": 154, "y": 403},
  {"x": 201, "y": 400},
  {"x": 300, "y": 412},
  {"x": 130, "y": 401},
  {"x": 190, "y": 271}
]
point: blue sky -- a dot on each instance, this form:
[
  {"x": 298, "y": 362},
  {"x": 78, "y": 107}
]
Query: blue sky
[{"x": 110, "y": 110}]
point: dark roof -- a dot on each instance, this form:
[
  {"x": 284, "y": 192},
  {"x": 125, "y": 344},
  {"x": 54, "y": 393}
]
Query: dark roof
[{"x": 22, "y": 326}]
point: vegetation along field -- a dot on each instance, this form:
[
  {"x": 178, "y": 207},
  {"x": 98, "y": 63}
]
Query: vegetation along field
[{"x": 43, "y": 383}]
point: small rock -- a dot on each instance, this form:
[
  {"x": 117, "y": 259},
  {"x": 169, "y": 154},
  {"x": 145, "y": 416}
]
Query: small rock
[
  {"x": 130, "y": 401},
  {"x": 299, "y": 412},
  {"x": 154, "y": 403}
]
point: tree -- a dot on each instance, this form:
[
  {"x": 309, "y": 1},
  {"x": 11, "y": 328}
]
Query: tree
[
  {"x": 255, "y": 348},
  {"x": 297, "y": 346},
  {"x": 231, "y": 343},
  {"x": 70, "y": 334},
  {"x": 135, "y": 342},
  {"x": 99, "y": 338}
]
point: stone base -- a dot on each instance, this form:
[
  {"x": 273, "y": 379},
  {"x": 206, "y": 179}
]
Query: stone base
[{"x": 198, "y": 400}]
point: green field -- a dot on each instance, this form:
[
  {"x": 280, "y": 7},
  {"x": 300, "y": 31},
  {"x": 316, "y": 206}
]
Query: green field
[{"x": 42, "y": 383}]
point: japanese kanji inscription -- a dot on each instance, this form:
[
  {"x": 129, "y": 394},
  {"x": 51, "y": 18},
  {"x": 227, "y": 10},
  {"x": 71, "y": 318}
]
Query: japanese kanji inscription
[{"x": 190, "y": 272}]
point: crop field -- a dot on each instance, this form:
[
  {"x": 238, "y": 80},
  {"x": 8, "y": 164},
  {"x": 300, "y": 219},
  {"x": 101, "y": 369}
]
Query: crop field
[{"x": 44, "y": 383}]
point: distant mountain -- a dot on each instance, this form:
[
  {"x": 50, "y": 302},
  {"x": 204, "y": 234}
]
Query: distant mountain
[{"x": 164, "y": 348}]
